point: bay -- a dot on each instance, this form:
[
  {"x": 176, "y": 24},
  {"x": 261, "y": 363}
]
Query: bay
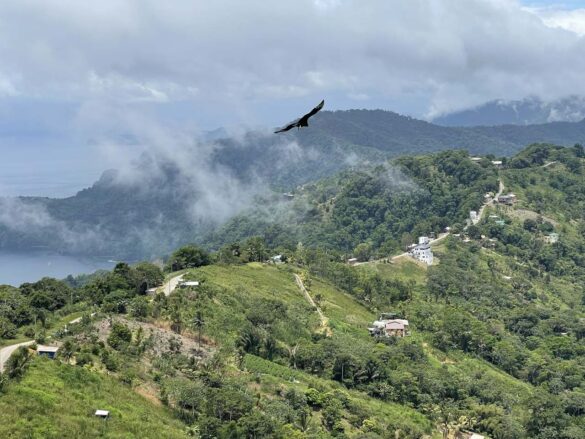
[{"x": 17, "y": 268}]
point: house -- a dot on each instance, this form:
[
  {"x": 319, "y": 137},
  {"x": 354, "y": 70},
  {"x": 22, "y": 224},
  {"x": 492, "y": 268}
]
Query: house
[
  {"x": 497, "y": 163},
  {"x": 48, "y": 351},
  {"x": 473, "y": 216},
  {"x": 551, "y": 238},
  {"x": 104, "y": 414},
  {"x": 389, "y": 326},
  {"x": 508, "y": 200},
  {"x": 189, "y": 283},
  {"x": 352, "y": 261},
  {"x": 396, "y": 328},
  {"x": 475, "y": 159},
  {"x": 151, "y": 291},
  {"x": 422, "y": 251},
  {"x": 488, "y": 197}
]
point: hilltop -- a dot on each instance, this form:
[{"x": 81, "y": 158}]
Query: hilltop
[{"x": 165, "y": 200}]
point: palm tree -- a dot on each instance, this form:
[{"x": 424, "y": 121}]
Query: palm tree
[{"x": 198, "y": 322}]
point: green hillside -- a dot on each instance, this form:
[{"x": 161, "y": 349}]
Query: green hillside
[
  {"x": 58, "y": 401},
  {"x": 122, "y": 218},
  {"x": 263, "y": 349}
]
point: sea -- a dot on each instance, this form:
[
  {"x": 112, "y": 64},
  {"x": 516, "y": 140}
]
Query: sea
[{"x": 17, "y": 268}]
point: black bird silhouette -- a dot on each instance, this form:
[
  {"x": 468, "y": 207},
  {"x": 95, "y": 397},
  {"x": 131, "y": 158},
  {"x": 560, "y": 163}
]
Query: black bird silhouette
[{"x": 303, "y": 121}]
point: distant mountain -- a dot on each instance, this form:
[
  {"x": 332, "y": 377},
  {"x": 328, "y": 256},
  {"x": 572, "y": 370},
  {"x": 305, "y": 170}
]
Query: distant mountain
[
  {"x": 167, "y": 199},
  {"x": 521, "y": 112}
]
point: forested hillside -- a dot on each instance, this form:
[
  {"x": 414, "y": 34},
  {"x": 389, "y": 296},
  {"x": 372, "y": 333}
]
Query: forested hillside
[
  {"x": 167, "y": 200},
  {"x": 262, "y": 349}
]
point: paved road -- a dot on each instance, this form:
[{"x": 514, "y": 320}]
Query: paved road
[
  {"x": 6, "y": 352},
  {"x": 172, "y": 283}
]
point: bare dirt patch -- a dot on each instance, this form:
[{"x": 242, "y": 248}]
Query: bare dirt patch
[{"x": 162, "y": 338}]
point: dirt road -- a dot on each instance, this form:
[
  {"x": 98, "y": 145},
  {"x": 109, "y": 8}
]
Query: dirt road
[{"x": 324, "y": 320}]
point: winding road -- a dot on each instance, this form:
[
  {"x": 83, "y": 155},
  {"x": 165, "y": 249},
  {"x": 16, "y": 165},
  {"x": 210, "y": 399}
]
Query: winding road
[{"x": 491, "y": 203}]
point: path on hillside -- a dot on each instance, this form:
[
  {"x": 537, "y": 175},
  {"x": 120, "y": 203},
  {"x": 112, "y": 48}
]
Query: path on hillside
[
  {"x": 324, "y": 320},
  {"x": 6, "y": 352},
  {"x": 171, "y": 284},
  {"x": 490, "y": 203}
]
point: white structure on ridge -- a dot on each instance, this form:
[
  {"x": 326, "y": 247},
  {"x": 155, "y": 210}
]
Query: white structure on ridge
[{"x": 422, "y": 251}]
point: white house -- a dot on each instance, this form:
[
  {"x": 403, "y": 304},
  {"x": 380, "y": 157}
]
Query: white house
[
  {"x": 189, "y": 283},
  {"x": 422, "y": 251},
  {"x": 473, "y": 216}
]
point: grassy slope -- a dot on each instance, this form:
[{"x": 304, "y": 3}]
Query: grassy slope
[
  {"x": 346, "y": 317},
  {"x": 349, "y": 318},
  {"x": 58, "y": 401}
]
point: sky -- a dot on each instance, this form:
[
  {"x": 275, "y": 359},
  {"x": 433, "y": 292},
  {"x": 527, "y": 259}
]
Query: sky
[{"x": 79, "y": 81}]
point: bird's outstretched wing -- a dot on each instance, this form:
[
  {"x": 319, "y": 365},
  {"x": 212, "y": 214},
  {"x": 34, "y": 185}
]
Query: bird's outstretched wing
[
  {"x": 303, "y": 121},
  {"x": 315, "y": 110},
  {"x": 288, "y": 127}
]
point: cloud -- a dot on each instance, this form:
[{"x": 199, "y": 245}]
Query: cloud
[
  {"x": 572, "y": 20},
  {"x": 240, "y": 56}
]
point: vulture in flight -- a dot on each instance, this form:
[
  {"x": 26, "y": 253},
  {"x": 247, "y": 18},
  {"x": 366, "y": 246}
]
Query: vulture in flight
[{"x": 303, "y": 121}]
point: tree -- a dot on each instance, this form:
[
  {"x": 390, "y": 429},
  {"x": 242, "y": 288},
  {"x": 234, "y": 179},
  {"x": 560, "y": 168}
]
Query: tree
[
  {"x": 189, "y": 256},
  {"x": 7, "y": 328},
  {"x": 198, "y": 322},
  {"x": 147, "y": 275},
  {"x": 18, "y": 361},
  {"x": 530, "y": 225},
  {"x": 120, "y": 336},
  {"x": 363, "y": 252},
  {"x": 254, "y": 250}
]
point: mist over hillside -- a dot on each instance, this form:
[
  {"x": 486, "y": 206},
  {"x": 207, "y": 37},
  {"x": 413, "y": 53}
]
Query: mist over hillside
[
  {"x": 532, "y": 110},
  {"x": 181, "y": 190}
]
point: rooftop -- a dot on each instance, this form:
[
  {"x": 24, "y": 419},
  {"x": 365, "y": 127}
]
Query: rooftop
[{"x": 41, "y": 348}]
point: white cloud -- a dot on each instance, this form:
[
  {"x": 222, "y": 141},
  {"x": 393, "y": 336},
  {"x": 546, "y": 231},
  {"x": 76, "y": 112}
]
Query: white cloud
[
  {"x": 572, "y": 20},
  {"x": 239, "y": 59}
]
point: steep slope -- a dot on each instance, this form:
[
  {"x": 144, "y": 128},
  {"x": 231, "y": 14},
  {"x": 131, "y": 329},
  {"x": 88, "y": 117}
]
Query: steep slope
[{"x": 59, "y": 402}]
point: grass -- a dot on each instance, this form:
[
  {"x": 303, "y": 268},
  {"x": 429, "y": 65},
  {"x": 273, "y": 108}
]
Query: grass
[
  {"x": 402, "y": 269},
  {"x": 386, "y": 411},
  {"x": 58, "y": 401}
]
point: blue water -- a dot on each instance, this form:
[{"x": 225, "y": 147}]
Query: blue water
[{"x": 17, "y": 268}]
